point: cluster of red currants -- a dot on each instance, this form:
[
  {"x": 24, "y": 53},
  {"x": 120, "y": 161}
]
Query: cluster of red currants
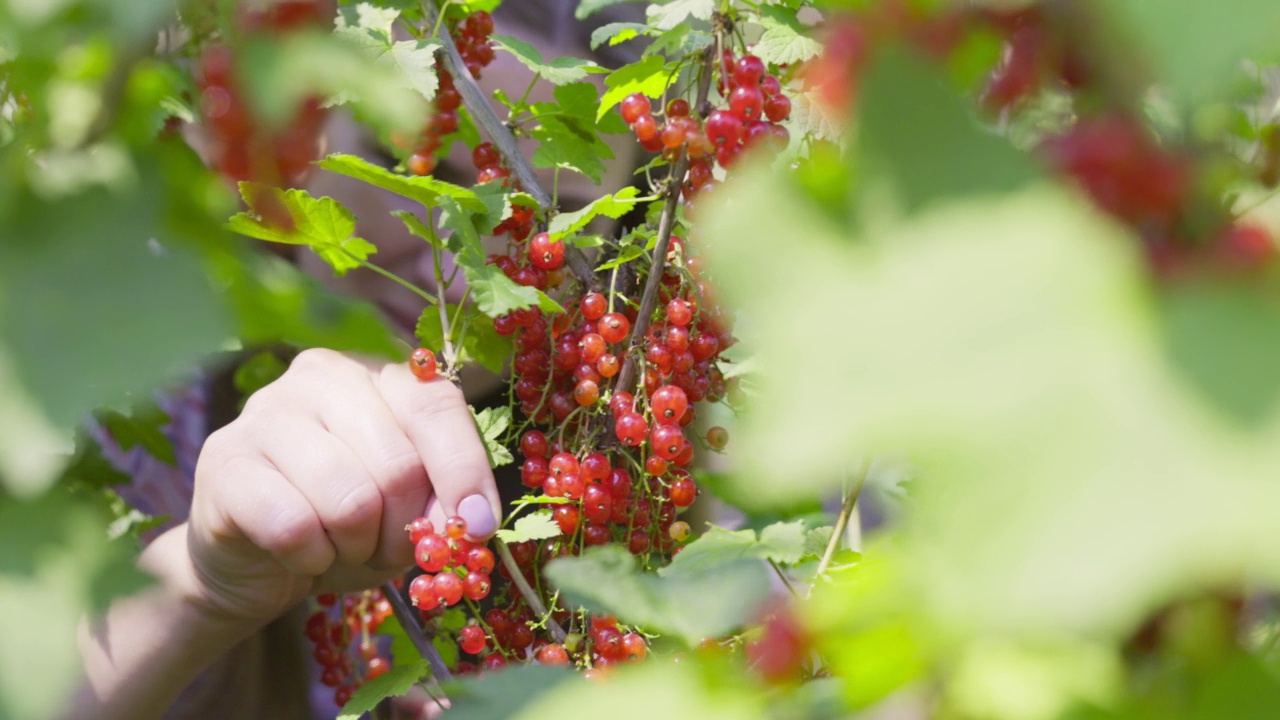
[
  {"x": 756, "y": 107},
  {"x": 332, "y": 630},
  {"x": 242, "y": 148},
  {"x": 453, "y": 566},
  {"x": 472, "y": 38},
  {"x": 1109, "y": 152}
]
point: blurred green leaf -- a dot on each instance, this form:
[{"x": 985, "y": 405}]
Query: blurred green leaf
[
  {"x": 501, "y": 694},
  {"x": 425, "y": 189},
  {"x": 557, "y": 71},
  {"x": 674, "y": 12},
  {"x": 616, "y": 33},
  {"x": 258, "y": 372},
  {"x": 587, "y": 8},
  {"x": 97, "y": 270},
  {"x": 143, "y": 425},
  {"x": 687, "y": 606},
  {"x": 942, "y": 154},
  {"x": 400, "y": 679},
  {"x": 322, "y": 224},
  {"x": 1198, "y": 47},
  {"x": 783, "y": 44},
  {"x": 783, "y": 543},
  {"x": 57, "y": 566}
]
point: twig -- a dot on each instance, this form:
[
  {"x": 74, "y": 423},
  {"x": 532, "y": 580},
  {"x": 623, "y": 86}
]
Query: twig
[
  {"x": 482, "y": 112},
  {"x": 527, "y": 592},
  {"x": 843, "y": 520},
  {"x": 419, "y": 639},
  {"x": 446, "y": 329},
  {"x": 783, "y": 577},
  {"x": 675, "y": 181}
]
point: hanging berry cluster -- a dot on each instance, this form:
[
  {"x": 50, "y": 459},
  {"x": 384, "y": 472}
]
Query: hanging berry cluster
[
  {"x": 1160, "y": 188},
  {"x": 756, "y": 107},
  {"x": 339, "y": 629},
  {"x": 242, "y": 147},
  {"x": 472, "y": 39}
]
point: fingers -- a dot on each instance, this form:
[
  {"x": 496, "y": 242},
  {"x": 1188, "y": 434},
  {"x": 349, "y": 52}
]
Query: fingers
[
  {"x": 333, "y": 480},
  {"x": 435, "y": 417},
  {"x": 251, "y": 499}
]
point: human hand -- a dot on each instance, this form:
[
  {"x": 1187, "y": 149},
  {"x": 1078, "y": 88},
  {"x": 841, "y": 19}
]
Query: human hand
[{"x": 311, "y": 488}]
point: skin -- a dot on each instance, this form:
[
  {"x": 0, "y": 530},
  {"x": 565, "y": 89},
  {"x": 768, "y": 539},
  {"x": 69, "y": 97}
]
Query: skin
[{"x": 306, "y": 492}]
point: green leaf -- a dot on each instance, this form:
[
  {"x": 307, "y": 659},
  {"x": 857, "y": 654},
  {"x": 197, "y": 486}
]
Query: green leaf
[
  {"x": 322, "y": 224},
  {"x": 1198, "y": 48},
  {"x": 648, "y": 76},
  {"x": 560, "y": 145},
  {"x": 558, "y": 71},
  {"x": 101, "y": 270},
  {"x": 57, "y": 568},
  {"x": 143, "y": 425},
  {"x": 617, "y": 33},
  {"x": 496, "y": 294},
  {"x": 534, "y": 526},
  {"x": 587, "y": 8},
  {"x": 782, "y": 543},
  {"x": 501, "y": 694},
  {"x": 492, "y": 423},
  {"x": 425, "y": 190},
  {"x": 481, "y": 342},
  {"x": 942, "y": 154},
  {"x": 674, "y": 12},
  {"x": 625, "y": 255},
  {"x": 614, "y": 206},
  {"x": 687, "y": 606},
  {"x": 447, "y": 648},
  {"x": 257, "y": 372},
  {"x": 400, "y": 679},
  {"x": 783, "y": 44}
]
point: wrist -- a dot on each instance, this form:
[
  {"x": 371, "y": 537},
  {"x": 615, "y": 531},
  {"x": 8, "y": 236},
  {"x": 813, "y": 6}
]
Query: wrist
[{"x": 199, "y": 600}]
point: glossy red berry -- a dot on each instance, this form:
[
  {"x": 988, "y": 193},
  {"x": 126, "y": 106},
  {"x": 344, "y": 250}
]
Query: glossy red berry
[
  {"x": 614, "y": 327},
  {"x": 421, "y": 163},
  {"x": 667, "y": 440},
  {"x": 586, "y": 393},
  {"x": 646, "y": 129},
  {"x": 431, "y": 553},
  {"x": 447, "y": 588},
  {"x": 484, "y": 155},
  {"x": 594, "y": 305},
  {"x": 777, "y": 108},
  {"x": 630, "y": 428},
  {"x": 563, "y": 464},
  {"x": 608, "y": 365},
  {"x": 655, "y": 465},
  {"x": 534, "y": 444},
  {"x": 634, "y": 647},
  {"x": 747, "y": 102},
  {"x": 724, "y": 129},
  {"x": 668, "y": 403},
  {"x": 683, "y": 492},
  {"x": 678, "y": 107},
  {"x": 471, "y": 639},
  {"x": 597, "y": 504},
  {"x": 476, "y": 585},
  {"x": 420, "y": 592},
  {"x": 455, "y": 527},
  {"x": 748, "y": 71},
  {"x": 423, "y": 364},
  {"x": 534, "y": 472},
  {"x": 418, "y": 529},
  {"x": 679, "y": 312},
  {"x": 546, "y": 253},
  {"x": 634, "y": 107},
  {"x": 567, "y": 517}
]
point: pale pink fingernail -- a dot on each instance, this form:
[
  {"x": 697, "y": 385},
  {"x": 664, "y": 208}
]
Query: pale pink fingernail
[{"x": 476, "y": 511}]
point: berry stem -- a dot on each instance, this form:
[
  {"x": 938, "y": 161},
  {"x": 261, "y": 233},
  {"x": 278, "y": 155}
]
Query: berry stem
[
  {"x": 527, "y": 592},
  {"x": 482, "y": 112},
  {"x": 446, "y": 330},
  {"x": 842, "y": 521},
  {"x": 675, "y": 181},
  {"x": 419, "y": 639}
]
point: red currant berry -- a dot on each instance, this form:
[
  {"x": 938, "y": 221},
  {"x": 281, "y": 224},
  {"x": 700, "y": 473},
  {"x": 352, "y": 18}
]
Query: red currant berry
[
  {"x": 567, "y": 517},
  {"x": 597, "y": 504},
  {"x": 563, "y": 464},
  {"x": 594, "y": 305},
  {"x": 622, "y": 402},
  {"x": 431, "y": 553},
  {"x": 455, "y": 528},
  {"x": 476, "y": 586},
  {"x": 630, "y": 428},
  {"x": 667, "y": 440},
  {"x": 534, "y": 471},
  {"x": 546, "y": 253},
  {"x": 748, "y": 71},
  {"x": 594, "y": 468},
  {"x": 655, "y": 465},
  {"x": 342, "y": 695},
  {"x": 746, "y": 102},
  {"x": 421, "y": 164},
  {"x": 534, "y": 444},
  {"x": 596, "y": 534},
  {"x": 447, "y": 588},
  {"x": 420, "y": 592},
  {"x": 683, "y": 492},
  {"x": 586, "y": 393},
  {"x": 679, "y": 312},
  {"x": 634, "y": 647},
  {"x": 377, "y": 666},
  {"x": 553, "y": 654},
  {"x": 423, "y": 364},
  {"x": 608, "y": 365},
  {"x": 635, "y": 106},
  {"x": 679, "y": 107},
  {"x": 471, "y": 639},
  {"x": 480, "y": 559},
  {"x": 646, "y": 129},
  {"x": 717, "y": 437},
  {"x": 572, "y": 486},
  {"x": 777, "y": 108},
  {"x": 669, "y": 403},
  {"x": 614, "y": 327},
  {"x": 419, "y": 528},
  {"x": 484, "y": 154},
  {"x": 724, "y": 129},
  {"x": 592, "y": 347}
]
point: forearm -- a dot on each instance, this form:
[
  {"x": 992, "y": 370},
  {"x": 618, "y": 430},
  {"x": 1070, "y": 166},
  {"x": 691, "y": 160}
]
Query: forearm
[{"x": 146, "y": 649}]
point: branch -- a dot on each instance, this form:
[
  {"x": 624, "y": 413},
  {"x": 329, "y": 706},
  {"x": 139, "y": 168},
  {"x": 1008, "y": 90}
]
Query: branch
[
  {"x": 405, "y": 615},
  {"x": 675, "y": 181},
  {"x": 528, "y": 593},
  {"x": 477, "y": 103},
  {"x": 843, "y": 520}
]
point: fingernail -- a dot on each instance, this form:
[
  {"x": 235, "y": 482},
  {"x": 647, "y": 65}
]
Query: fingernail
[{"x": 479, "y": 516}]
